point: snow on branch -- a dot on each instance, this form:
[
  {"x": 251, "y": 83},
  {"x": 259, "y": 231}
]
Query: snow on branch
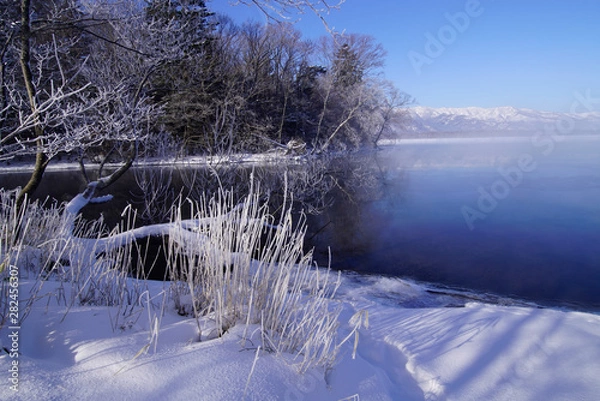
[
  {"x": 187, "y": 233},
  {"x": 283, "y": 9}
]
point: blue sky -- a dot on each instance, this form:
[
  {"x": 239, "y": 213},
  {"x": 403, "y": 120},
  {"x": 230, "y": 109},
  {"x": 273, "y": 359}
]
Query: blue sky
[{"x": 523, "y": 53}]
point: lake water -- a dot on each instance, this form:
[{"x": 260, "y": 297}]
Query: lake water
[
  {"x": 507, "y": 217},
  {"x": 511, "y": 217}
]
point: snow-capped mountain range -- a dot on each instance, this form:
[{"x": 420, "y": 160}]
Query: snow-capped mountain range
[{"x": 471, "y": 121}]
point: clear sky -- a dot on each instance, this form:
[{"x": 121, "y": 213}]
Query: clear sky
[{"x": 488, "y": 53}]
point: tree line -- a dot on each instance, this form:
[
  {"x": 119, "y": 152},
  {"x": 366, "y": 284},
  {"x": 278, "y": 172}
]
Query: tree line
[{"x": 104, "y": 80}]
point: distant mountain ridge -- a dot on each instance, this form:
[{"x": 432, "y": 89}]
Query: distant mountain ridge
[{"x": 478, "y": 121}]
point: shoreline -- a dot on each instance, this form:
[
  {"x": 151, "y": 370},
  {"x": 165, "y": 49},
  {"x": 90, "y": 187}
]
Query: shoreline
[{"x": 275, "y": 157}]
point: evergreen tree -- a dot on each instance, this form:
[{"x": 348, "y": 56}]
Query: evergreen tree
[
  {"x": 190, "y": 18},
  {"x": 180, "y": 84},
  {"x": 346, "y": 67}
]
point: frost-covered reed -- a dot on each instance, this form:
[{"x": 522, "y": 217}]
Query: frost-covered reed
[
  {"x": 243, "y": 266},
  {"x": 230, "y": 263}
]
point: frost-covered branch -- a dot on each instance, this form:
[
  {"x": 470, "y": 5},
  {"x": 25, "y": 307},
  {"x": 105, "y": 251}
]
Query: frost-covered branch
[
  {"x": 184, "y": 231},
  {"x": 287, "y": 9}
]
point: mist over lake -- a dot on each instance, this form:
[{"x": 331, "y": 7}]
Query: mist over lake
[{"x": 515, "y": 217}]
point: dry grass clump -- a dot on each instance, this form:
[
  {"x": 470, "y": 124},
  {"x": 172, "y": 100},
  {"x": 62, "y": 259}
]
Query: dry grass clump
[
  {"x": 242, "y": 266},
  {"x": 231, "y": 263}
]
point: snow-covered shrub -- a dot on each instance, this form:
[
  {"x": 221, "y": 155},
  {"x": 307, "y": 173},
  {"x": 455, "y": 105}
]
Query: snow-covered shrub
[
  {"x": 26, "y": 241},
  {"x": 33, "y": 226},
  {"x": 40, "y": 241},
  {"x": 99, "y": 265},
  {"x": 232, "y": 263},
  {"x": 240, "y": 266}
]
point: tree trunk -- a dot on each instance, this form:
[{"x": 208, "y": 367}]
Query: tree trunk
[
  {"x": 41, "y": 159},
  {"x": 3, "y": 89}
]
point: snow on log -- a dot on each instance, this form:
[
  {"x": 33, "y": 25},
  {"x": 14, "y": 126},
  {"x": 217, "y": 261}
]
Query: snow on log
[{"x": 186, "y": 234}]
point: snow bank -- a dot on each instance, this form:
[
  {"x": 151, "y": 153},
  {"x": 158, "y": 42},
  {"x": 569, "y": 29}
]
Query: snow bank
[
  {"x": 416, "y": 348},
  {"x": 486, "y": 352}
]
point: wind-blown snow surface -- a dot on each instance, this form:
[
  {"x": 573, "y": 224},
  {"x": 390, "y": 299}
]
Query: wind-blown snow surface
[
  {"x": 419, "y": 346},
  {"x": 498, "y": 121}
]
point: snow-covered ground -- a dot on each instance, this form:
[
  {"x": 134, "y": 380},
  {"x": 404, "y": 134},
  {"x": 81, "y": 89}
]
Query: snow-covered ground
[
  {"x": 274, "y": 157},
  {"x": 419, "y": 345}
]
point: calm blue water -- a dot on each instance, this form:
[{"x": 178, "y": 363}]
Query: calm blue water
[{"x": 506, "y": 218}]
